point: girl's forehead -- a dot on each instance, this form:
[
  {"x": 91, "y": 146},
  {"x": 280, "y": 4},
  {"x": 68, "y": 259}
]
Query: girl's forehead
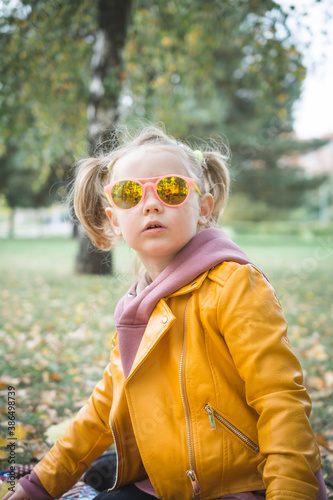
[{"x": 149, "y": 162}]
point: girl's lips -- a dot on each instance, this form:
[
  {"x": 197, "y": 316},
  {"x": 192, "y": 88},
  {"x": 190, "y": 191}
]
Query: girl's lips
[
  {"x": 153, "y": 226},
  {"x": 154, "y": 230}
]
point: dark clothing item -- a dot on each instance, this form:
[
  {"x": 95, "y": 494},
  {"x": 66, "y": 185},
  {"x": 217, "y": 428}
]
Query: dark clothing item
[
  {"x": 130, "y": 492},
  {"x": 102, "y": 474}
]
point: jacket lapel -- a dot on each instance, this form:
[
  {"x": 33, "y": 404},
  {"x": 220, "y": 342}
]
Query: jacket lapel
[{"x": 160, "y": 322}]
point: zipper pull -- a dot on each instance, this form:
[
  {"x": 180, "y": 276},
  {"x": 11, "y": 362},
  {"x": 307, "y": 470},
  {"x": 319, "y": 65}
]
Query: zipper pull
[
  {"x": 211, "y": 418},
  {"x": 194, "y": 482}
]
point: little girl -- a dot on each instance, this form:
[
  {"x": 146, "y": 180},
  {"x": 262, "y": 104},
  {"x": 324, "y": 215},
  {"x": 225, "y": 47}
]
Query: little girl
[{"x": 203, "y": 395}]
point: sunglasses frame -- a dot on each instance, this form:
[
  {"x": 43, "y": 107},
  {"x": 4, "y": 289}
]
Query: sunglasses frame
[{"x": 190, "y": 182}]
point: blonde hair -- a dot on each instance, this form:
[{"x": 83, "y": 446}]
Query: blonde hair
[{"x": 211, "y": 175}]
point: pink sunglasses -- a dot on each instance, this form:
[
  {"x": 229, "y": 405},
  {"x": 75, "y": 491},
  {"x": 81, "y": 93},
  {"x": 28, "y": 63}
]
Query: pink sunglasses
[{"x": 171, "y": 190}]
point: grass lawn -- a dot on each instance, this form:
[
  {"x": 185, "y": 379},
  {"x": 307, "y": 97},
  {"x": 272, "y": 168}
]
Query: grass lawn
[{"x": 56, "y": 327}]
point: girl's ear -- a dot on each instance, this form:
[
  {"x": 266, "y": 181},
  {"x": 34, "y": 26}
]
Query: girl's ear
[
  {"x": 114, "y": 221},
  {"x": 206, "y": 208}
]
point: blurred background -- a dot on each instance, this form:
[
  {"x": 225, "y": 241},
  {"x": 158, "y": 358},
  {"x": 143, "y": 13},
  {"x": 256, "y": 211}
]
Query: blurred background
[{"x": 257, "y": 75}]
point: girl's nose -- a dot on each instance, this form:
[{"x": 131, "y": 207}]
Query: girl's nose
[{"x": 151, "y": 202}]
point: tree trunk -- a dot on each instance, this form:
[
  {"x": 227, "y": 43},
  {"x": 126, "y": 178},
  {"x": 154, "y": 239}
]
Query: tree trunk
[
  {"x": 103, "y": 109},
  {"x": 11, "y": 223},
  {"x": 75, "y": 230},
  {"x": 87, "y": 262}
]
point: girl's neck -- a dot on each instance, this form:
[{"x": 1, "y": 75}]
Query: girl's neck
[{"x": 154, "y": 267}]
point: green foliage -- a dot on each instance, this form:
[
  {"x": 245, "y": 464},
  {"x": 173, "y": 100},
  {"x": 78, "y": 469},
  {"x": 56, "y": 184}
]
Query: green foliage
[
  {"x": 43, "y": 94},
  {"x": 42, "y": 77},
  {"x": 222, "y": 68},
  {"x": 243, "y": 208},
  {"x": 212, "y": 64},
  {"x": 279, "y": 187},
  {"x": 204, "y": 68},
  {"x": 262, "y": 172},
  {"x": 22, "y": 187}
]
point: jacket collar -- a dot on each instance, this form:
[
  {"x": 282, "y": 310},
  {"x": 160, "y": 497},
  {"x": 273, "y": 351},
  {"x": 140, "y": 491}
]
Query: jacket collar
[
  {"x": 190, "y": 287},
  {"x": 159, "y": 323}
]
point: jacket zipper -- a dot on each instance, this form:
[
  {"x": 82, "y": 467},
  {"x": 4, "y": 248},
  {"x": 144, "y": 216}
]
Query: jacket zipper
[
  {"x": 190, "y": 473},
  {"x": 212, "y": 415},
  {"x": 115, "y": 439}
]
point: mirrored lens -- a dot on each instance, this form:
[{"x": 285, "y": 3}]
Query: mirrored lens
[
  {"x": 126, "y": 194},
  {"x": 172, "y": 190}
]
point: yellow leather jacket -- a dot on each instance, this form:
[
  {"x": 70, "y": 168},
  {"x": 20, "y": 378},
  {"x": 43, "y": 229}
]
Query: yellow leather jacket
[{"x": 214, "y": 402}]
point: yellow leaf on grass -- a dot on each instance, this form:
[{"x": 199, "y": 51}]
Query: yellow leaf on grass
[
  {"x": 301, "y": 320},
  {"x": 321, "y": 440},
  {"x": 318, "y": 352},
  {"x": 3, "y": 442},
  {"x": 78, "y": 318},
  {"x": 41, "y": 451},
  {"x": 329, "y": 378},
  {"x": 316, "y": 382},
  {"x": 3, "y": 454},
  {"x": 57, "y": 431},
  {"x": 20, "y": 432},
  {"x": 166, "y": 41}
]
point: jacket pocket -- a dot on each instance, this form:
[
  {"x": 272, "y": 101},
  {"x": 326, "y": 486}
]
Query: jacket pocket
[{"x": 214, "y": 416}]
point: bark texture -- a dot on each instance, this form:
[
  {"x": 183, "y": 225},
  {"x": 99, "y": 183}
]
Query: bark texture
[{"x": 103, "y": 109}]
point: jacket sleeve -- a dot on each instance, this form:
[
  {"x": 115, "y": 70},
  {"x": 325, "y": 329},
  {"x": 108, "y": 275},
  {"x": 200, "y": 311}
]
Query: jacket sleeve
[
  {"x": 87, "y": 437},
  {"x": 255, "y": 331}
]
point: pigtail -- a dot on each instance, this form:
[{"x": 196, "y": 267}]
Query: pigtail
[
  {"x": 90, "y": 202},
  {"x": 217, "y": 182}
]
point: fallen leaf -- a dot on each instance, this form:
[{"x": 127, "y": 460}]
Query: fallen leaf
[
  {"x": 41, "y": 451},
  {"x": 30, "y": 428},
  {"x": 329, "y": 378},
  {"x": 301, "y": 320},
  {"x": 318, "y": 352},
  {"x": 20, "y": 432},
  {"x": 316, "y": 382},
  {"x": 7, "y": 380},
  {"x": 321, "y": 440},
  {"x": 57, "y": 431}
]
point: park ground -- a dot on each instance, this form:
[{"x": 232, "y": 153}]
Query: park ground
[{"x": 56, "y": 327}]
